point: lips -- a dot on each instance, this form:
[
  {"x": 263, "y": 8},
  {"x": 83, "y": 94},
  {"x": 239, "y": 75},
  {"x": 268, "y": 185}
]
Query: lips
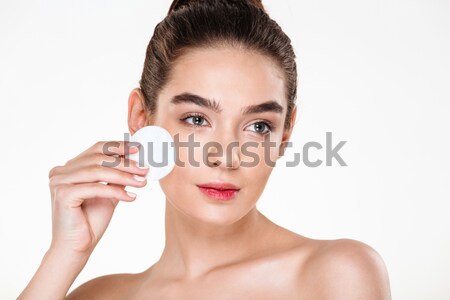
[
  {"x": 219, "y": 191},
  {"x": 219, "y": 186}
]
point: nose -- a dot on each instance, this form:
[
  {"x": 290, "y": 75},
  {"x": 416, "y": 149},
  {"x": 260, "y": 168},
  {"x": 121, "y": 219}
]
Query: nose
[{"x": 224, "y": 151}]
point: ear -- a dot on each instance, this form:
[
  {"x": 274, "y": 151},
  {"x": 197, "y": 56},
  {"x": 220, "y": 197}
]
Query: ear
[
  {"x": 137, "y": 114},
  {"x": 287, "y": 133}
]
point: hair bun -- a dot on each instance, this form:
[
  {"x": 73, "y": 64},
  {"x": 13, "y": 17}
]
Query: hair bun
[{"x": 177, "y": 4}]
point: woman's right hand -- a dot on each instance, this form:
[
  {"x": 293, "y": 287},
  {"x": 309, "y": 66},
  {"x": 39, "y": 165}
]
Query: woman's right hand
[{"x": 82, "y": 205}]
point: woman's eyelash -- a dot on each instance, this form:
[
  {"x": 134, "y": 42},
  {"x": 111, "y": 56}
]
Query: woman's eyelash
[
  {"x": 191, "y": 116},
  {"x": 268, "y": 124}
]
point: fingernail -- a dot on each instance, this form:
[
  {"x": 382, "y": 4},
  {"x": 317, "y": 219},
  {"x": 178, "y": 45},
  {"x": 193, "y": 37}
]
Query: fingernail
[
  {"x": 139, "y": 178},
  {"x": 131, "y": 194}
]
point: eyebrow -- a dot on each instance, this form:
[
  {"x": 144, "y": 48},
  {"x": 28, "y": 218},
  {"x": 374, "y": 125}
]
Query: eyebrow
[{"x": 268, "y": 106}]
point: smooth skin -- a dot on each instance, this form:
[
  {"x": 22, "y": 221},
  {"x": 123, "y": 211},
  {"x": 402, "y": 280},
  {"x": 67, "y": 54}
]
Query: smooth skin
[{"x": 213, "y": 250}]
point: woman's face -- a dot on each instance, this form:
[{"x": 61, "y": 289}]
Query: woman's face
[{"x": 233, "y": 80}]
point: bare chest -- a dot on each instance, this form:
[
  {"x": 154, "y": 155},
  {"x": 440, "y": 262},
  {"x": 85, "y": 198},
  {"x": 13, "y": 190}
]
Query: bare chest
[{"x": 275, "y": 278}]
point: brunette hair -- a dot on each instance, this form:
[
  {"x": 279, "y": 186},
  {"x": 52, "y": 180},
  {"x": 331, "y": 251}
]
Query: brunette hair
[{"x": 214, "y": 23}]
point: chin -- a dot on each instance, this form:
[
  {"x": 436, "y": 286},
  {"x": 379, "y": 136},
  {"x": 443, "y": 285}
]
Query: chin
[
  {"x": 214, "y": 214},
  {"x": 220, "y": 218}
]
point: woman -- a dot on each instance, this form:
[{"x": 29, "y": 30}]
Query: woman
[{"x": 225, "y": 72}]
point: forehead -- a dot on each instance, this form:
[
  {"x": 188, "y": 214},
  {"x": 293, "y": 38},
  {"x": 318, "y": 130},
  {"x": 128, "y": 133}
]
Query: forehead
[{"x": 234, "y": 76}]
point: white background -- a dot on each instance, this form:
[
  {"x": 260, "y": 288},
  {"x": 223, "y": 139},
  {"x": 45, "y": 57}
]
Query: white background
[{"x": 375, "y": 73}]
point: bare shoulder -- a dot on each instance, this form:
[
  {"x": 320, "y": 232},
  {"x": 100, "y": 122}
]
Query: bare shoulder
[
  {"x": 345, "y": 269},
  {"x": 107, "y": 287}
]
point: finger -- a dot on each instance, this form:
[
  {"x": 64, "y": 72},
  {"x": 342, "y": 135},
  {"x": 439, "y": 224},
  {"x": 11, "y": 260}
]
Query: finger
[
  {"x": 119, "y": 163},
  {"x": 55, "y": 170},
  {"x": 119, "y": 148},
  {"x": 116, "y": 148},
  {"x": 74, "y": 195},
  {"x": 122, "y": 148},
  {"x": 115, "y": 201},
  {"x": 97, "y": 173}
]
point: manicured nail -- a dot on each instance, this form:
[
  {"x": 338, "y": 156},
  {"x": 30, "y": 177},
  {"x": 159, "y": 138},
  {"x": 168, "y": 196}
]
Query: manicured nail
[
  {"x": 139, "y": 178},
  {"x": 131, "y": 194}
]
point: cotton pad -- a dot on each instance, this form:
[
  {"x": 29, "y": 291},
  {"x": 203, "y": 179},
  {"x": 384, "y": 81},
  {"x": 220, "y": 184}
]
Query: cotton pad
[{"x": 156, "y": 151}]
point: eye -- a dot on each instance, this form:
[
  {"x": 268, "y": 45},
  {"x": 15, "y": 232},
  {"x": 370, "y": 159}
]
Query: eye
[
  {"x": 197, "y": 119},
  {"x": 262, "y": 128}
]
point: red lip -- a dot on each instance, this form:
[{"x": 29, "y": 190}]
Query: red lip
[
  {"x": 219, "y": 186},
  {"x": 219, "y": 191}
]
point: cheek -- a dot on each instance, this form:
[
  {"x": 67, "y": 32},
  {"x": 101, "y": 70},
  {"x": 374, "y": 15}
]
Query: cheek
[
  {"x": 187, "y": 171},
  {"x": 178, "y": 186},
  {"x": 257, "y": 176},
  {"x": 257, "y": 173},
  {"x": 260, "y": 155}
]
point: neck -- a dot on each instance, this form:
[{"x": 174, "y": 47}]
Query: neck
[{"x": 194, "y": 248}]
